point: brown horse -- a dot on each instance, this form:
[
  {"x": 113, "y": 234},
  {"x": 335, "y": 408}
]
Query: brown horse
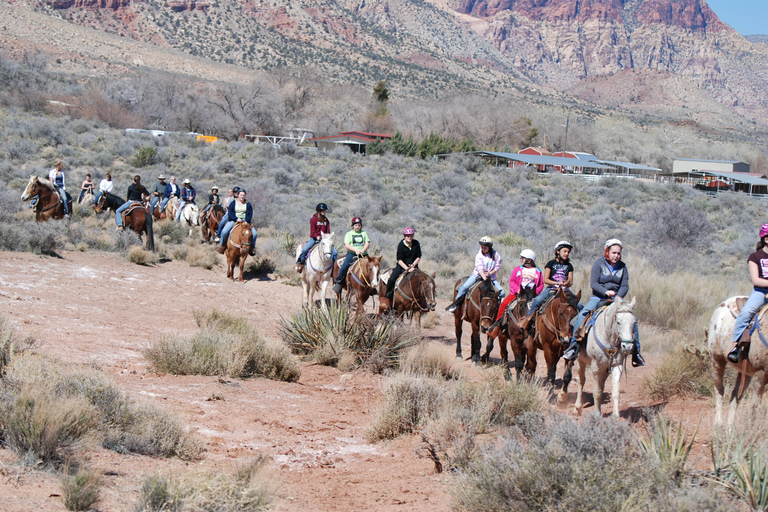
[
  {"x": 238, "y": 245},
  {"x": 210, "y": 221},
  {"x": 552, "y": 333},
  {"x": 479, "y": 309},
  {"x": 361, "y": 281},
  {"x": 509, "y": 330},
  {"x": 414, "y": 294},
  {"x": 49, "y": 205},
  {"x": 137, "y": 217}
]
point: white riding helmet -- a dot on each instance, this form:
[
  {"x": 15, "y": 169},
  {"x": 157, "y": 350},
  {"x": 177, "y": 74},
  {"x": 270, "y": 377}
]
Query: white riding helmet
[
  {"x": 486, "y": 240},
  {"x": 614, "y": 241},
  {"x": 528, "y": 254},
  {"x": 563, "y": 243}
]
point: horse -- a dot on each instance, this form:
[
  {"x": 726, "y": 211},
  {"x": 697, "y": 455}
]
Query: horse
[
  {"x": 238, "y": 245},
  {"x": 552, "y": 333},
  {"x": 318, "y": 271},
  {"x": 514, "y": 314},
  {"x": 210, "y": 221},
  {"x": 610, "y": 340},
  {"x": 190, "y": 214},
  {"x": 362, "y": 280},
  {"x": 720, "y": 342},
  {"x": 87, "y": 198},
  {"x": 479, "y": 309},
  {"x": 170, "y": 208},
  {"x": 49, "y": 204},
  {"x": 414, "y": 293},
  {"x": 136, "y": 217}
]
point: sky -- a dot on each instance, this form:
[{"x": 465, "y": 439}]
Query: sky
[{"x": 746, "y": 16}]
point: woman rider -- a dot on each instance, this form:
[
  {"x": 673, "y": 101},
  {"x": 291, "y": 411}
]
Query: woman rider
[
  {"x": 609, "y": 279},
  {"x": 408, "y": 257},
  {"x": 318, "y": 225},
  {"x": 758, "y": 274},
  {"x": 487, "y": 263},
  {"x": 240, "y": 210},
  {"x": 56, "y": 175},
  {"x": 525, "y": 275},
  {"x": 558, "y": 273}
]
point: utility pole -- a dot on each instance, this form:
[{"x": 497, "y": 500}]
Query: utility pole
[{"x": 567, "y": 123}]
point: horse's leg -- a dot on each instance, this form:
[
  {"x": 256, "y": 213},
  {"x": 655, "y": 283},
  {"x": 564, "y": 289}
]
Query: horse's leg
[
  {"x": 242, "y": 258},
  {"x": 488, "y": 349},
  {"x": 457, "y": 323},
  {"x": 718, "y": 369},
  {"x": 504, "y": 354},
  {"x": 475, "y": 343},
  {"x": 583, "y": 362},
  {"x": 551, "y": 362},
  {"x": 530, "y": 349},
  {"x": 601, "y": 375},
  {"x": 567, "y": 376},
  {"x": 616, "y": 372},
  {"x": 306, "y": 286}
]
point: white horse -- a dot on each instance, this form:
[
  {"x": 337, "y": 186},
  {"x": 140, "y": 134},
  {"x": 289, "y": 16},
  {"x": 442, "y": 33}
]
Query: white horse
[
  {"x": 318, "y": 270},
  {"x": 609, "y": 342},
  {"x": 190, "y": 214},
  {"x": 720, "y": 342}
]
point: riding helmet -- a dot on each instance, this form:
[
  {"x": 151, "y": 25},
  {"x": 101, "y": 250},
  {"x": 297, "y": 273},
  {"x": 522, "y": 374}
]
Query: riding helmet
[
  {"x": 613, "y": 241},
  {"x": 235, "y": 190},
  {"x": 486, "y": 240},
  {"x": 409, "y": 231},
  {"x": 356, "y": 220},
  {"x": 528, "y": 254},
  {"x": 764, "y": 231},
  {"x": 321, "y": 207},
  {"x": 563, "y": 243}
]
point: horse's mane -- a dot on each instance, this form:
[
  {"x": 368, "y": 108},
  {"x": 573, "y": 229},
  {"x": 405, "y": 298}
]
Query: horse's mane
[
  {"x": 487, "y": 286},
  {"x": 45, "y": 181}
]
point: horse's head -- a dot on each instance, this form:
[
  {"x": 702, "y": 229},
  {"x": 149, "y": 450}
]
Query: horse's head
[
  {"x": 489, "y": 303},
  {"x": 326, "y": 246},
  {"x": 374, "y": 265},
  {"x": 101, "y": 205},
  {"x": 564, "y": 304},
  {"x": 32, "y": 188},
  {"x": 427, "y": 289},
  {"x": 621, "y": 322}
]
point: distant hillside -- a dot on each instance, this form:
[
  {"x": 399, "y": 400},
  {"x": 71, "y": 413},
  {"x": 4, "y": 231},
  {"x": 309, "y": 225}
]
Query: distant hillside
[{"x": 757, "y": 38}]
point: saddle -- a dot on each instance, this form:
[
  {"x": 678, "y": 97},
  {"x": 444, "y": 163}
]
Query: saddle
[
  {"x": 130, "y": 209},
  {"x": 589, "y": 320}
]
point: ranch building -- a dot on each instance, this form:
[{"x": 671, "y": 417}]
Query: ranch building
[{"x": 355, "y": 141}]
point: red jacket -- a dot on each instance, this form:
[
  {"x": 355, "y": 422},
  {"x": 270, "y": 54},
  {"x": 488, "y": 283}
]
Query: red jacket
[{"x": 318, "y": 226}]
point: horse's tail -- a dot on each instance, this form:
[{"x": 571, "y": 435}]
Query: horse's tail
[{"x": 150, "y": 231}]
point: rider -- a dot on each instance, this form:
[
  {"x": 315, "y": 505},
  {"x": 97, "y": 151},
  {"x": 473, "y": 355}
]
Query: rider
[
  {"x": 609, "y": 279},
  {"x": 235, "y": 193},
  {"x": 525, "y": 275},
  {"x": 188, "y": 196},
  {"x": 56, "y": 175},
  {"x": 487, "y": 263},
  {"x": 758, "y": 274},
  {"x": 357, "y": 242},
  {"x": 408, "y": 257},
  {"x": 558, "y": 273},
  {"x": 230, "y": 197},
  {"x": 239, "y": 210},
  {"x": 318, "y": 225},
  {"x": 136, "y": 194},
  {"x": 160, "y": 192},
  {"x": 86, "y": 186},
  {"x": 213, "y": 198},
  {"x": 105, "y": 186}
]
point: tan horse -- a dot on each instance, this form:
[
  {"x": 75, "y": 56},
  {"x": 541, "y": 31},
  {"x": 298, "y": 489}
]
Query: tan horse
[
  {"x": 361, "y": 281},
  {"x": 552, "y": 333},
  {"x": 238, "y": 245},
  {"x": 479, "y": 309},
  {"x": 49, "y": 205},
  {"x": 720, "y": 342},
  {"x": 171, "y": 208},
  {"x": 414, "y": 294}
]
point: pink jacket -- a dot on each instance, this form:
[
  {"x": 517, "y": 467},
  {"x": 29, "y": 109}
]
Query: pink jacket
[
  {"x": 516, "y": 278},
  {"x": 485, "y": 263}
]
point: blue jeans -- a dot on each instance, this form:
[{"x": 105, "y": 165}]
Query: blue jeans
[
  {"x": 305, "y": 251},
  {"x": 348, "y": 260},
  {"x": 119, "y": 211},
  {"x": 63, "y": 195},
  {"x": 164, "y": 203},
  {"x": 464, "y": 288},
  {"x": 590, "y": 306},
  {"x": 153, "y": 202},
  {"x": 228, "y": 227},
  {"x": 754, "y": 303},
  {"x": 540, "y": 298}
]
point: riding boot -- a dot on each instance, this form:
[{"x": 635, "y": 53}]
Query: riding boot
[
  {"x": 221, "y": 249},
  {"x": 735, "y": 354},
  {"x": 572, "y": 351},
  {"x": 298, "y": 267},
  {"x": 637, "y": 359},
  {"x": 494, "y": 328},
  {"x": 524, "y": 323},
  {"x": 453, "y": 306}
]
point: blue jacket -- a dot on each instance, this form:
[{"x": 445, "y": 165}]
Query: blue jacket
[
  {"x": 248, "y": 212},
  {"x": 168, "y": 190}
]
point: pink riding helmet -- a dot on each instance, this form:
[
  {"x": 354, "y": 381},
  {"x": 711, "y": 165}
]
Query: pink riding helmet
[
  {"x": 764, "y": 230},
  {"x": 408, "y": 231}
]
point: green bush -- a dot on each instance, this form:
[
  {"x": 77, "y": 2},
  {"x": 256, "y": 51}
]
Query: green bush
[
  {"x": 145, "y": 156},
  {"x": 80, "y": 491}
]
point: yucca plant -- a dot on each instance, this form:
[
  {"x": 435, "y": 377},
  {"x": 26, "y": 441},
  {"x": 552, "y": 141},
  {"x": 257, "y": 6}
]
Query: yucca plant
[
  {"x": 741, "y": 467},
  {"x": 669, "y": 443}
]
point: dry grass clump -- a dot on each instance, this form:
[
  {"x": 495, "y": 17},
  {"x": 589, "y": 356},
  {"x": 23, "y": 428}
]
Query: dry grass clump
[
  {"x": 225, "y": 345},
  {"x": 685, "y": 372},
  {"x": 246, "y": 490},
  {"x": 119, "y": 422},
  {"x": 140, "y": 256},
  {"x": 327, "y": 336},
  {"x": 81, "y": 490},
  {"x": 430, "y": 360},
  {"x": 170, "y": 232},
  {"x": 408, "y": 403},
  {"x": 205, "y": 257}
]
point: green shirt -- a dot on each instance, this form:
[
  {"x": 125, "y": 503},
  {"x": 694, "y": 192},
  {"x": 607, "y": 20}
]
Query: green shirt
[{"x": 356, "y": 239}]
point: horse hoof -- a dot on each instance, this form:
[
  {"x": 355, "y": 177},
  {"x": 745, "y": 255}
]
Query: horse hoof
[{"x": 561, "y": 397}]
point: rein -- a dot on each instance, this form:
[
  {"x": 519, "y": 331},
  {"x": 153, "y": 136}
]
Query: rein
[
  {"x": 239, "y": 246},
  {"x": 613, "y": 350},
  {"x": 412, "y": 300},
  {"x": 38, "y": 206},
  {"x": 357, "y": 279}
]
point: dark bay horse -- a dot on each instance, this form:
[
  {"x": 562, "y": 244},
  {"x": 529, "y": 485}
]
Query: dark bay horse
[
  {"x": 479, "y": 309},
  {"x": 49, "y": 205},
  {"x": 238, "y": 246},
  {"x": 362, "y": 280},
  {"x": 414, "y": 294},
  {"x": 210, "y": 221},
  {"x": 552, "y": 333},
  {"x": 509, "y": 331},
  {"x": 136, "y": 217}
]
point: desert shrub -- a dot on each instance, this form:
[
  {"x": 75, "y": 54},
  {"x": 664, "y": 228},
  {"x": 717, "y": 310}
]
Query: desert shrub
[
  {"x": 682, "y": 373},
  {"x": 248, "y": 489},
  {"x": 430, "y": 360},
  {"x": 124, "y": 239},
  {"x": 81, "y": 490},
  {"x": 674, "y": 223},
  {"x": 407, "y": 403},
  {"x": 224, "y": 345},
  {"x": 122, "y": 424},
  {"x": 145, "y": 156},
  {"x": 139, "y": 256},
  {"x": 42, "y": 237},
  {"x": 325, "y": 335},
  {"x": 204, "y": 257},
  {"x": 170, "y": 232}
]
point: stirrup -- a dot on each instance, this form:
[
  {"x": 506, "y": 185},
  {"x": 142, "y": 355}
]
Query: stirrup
[{"x": 735, "y": 354}]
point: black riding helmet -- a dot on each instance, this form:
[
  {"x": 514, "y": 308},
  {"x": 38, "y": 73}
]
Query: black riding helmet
[
  {"x": 321, "y": 207},
  {"x": 235, "y": 190}
]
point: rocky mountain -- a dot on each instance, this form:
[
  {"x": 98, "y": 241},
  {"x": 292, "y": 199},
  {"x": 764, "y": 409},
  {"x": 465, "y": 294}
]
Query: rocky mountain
[{"x": 591, "y": 49}]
